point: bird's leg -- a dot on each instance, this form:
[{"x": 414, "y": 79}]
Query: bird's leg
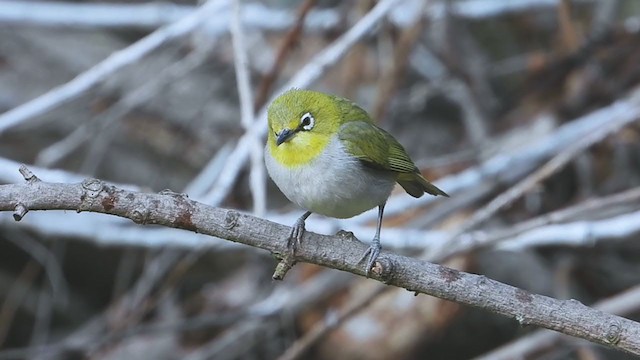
[
  {"x": 374, "y": 250},
  {"x": 297, "y": 231}
]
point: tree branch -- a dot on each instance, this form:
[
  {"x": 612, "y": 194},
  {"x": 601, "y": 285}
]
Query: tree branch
[{"x": 341, "y": 252}]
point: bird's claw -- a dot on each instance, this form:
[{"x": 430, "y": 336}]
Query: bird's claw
[
  {"x": 295, "y": 237},
  {"x": 371, "y": 255}
]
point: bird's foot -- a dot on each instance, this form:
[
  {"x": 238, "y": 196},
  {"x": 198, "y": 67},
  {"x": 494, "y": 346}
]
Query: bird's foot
[
  {"x": 371, "y": 255},
  {"x": 295, "y": 237}
]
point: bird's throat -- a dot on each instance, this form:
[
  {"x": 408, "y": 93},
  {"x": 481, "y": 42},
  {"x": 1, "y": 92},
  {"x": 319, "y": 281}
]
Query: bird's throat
[{"x": 298, "y": 151}]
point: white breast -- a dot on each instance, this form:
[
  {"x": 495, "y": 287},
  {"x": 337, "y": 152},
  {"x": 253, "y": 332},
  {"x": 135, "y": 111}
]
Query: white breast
[{"x": 334, "y": 184}]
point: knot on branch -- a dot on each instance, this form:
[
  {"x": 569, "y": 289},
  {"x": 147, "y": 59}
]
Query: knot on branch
[
  {"x": 231, "y": 219},
  {"x": 482, "y": 281},
  {"x": 91, "y": 189},
  {"x": 140, "y": 215},
  {"x": 383, "y": 269},
  {"x": 346, "y": 235},
  {"x": 614, "y": 333}
]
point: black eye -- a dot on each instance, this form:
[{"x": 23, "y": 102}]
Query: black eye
[{"x": 307, "y": 121}]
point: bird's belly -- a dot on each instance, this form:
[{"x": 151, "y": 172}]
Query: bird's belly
[{"x": 334, "y": 184}]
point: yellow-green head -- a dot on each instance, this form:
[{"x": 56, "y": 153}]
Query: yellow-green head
[{"x": 301, "y": 124}]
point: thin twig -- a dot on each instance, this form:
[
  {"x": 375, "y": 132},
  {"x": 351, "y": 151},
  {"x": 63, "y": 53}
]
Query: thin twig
[
  {"x": 257, "y": 178},
  {"x": 287, "y": 45}
]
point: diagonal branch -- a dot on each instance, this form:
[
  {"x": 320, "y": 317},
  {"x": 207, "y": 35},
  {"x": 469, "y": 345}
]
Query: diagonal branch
[
  {"x": 340, "y": 252},
  {"x": 116, "y": 61}
]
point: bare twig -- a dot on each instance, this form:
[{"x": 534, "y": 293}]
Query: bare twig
[
  {"x": 287, "y": 45},
  {"x": 85, "y": 81},
  {"x": 257, "y": 179},
  {"x": 569, "y": 317}
]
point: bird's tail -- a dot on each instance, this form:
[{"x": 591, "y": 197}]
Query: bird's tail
[{"x": 416, "y": 185}]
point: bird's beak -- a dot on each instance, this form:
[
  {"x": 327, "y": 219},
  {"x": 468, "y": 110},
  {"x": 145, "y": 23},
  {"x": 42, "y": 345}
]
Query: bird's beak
[{"x": 284, "y": 136}]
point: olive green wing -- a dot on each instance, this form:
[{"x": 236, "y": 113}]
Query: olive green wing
[{"x": 377, "y": 149}]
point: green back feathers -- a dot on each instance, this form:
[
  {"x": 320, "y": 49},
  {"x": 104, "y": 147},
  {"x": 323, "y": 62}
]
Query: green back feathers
[
  {"x": 382, "y": 151},
  {"x": 378, "y": 149}
]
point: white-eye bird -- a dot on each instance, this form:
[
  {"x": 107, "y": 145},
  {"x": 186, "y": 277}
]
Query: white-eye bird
[{"x": 328, "y": 157}]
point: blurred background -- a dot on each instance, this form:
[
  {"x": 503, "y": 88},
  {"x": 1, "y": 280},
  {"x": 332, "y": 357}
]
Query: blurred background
[{"x": 530, "y": 102}]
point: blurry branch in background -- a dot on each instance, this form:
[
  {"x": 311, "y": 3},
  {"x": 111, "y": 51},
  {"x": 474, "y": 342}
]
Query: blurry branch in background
[
  {"x": 98, "y": 73},
  {"x": 238, "y": 157},
  {"x": 341, "y": 252},
  {"x": 254, "y": 16},
  {"x": 287, "y": 45},
  {"x": 323, "y": 328},
  {"x": 152, "y": 15},
  {"x": 593, "y": 220},
  {"x": 101, "y": 128},
  {"x": 99, "y": 333},
  {"x": 286, "y": 299},
  {"x": 320, "y": 63},
  {"x": 257, "y": 179},
  {"x": 47, "y": 260},
  {"x": 509, "y": 165},
  {"x": 9, "y": 175},
  {"x": 548, "y": 169}
]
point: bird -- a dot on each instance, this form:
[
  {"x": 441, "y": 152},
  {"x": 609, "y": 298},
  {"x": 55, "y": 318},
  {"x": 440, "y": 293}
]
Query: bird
[{"x": 327, "y": 156}]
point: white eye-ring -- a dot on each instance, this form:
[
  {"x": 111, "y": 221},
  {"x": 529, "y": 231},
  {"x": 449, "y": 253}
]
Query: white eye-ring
[{"x": 307, "y": 121}]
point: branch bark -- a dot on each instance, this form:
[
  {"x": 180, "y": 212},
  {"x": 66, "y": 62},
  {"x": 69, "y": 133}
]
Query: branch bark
[{"x": 341, "y": 252}]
